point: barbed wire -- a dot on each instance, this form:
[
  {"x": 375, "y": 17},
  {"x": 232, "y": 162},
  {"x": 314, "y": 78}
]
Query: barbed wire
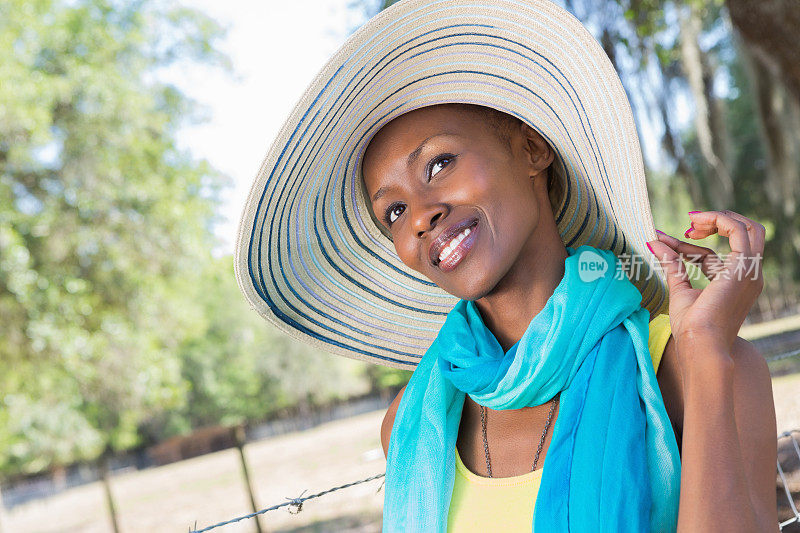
[
  {"x": 789, "y": 497},
  {"x": 783, "y": 356},
  {"x": 295, "y": 503}
]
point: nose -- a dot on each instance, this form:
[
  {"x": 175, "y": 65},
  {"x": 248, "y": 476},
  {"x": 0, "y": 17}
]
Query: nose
[{"x": 427, "y": 216}]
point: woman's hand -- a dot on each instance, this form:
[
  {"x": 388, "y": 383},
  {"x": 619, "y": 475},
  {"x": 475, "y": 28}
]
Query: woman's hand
[{"x": 713, "y": 315}]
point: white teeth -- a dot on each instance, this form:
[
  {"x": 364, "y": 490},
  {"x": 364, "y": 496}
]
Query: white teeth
[{"x": 447, "y": 250}]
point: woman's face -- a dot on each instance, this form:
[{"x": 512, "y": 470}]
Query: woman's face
[{"x": 461, "y": 204}]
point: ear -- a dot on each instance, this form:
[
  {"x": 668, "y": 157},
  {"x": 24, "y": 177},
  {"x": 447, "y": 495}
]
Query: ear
[{"x": 539, "y": 154}]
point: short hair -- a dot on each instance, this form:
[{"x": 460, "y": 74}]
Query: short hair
[{"x": 502, "y": 123}]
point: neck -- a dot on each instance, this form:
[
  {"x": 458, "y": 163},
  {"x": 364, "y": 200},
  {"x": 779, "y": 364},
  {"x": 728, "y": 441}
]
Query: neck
[{"x": 523, "y": 292}]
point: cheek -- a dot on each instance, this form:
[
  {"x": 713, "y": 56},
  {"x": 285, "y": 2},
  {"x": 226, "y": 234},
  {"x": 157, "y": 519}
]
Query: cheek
[
  {"x": 407, "y": 253},
  {"x": 479, "y": 181},
  {"x": 505, "y": 198},
  {"x": 513, "y": 213},
  {"x": 488, "y": 183}
]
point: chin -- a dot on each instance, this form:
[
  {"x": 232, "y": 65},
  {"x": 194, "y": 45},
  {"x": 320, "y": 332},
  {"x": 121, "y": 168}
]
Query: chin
[{"x": 476, "y": 289}]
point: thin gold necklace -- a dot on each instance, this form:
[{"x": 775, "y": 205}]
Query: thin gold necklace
[{"x": 541, "y": 441}]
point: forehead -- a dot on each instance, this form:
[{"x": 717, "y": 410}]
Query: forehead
[
  {"x": 403, "y": 134},
  {"x": 410, "y": 123}
]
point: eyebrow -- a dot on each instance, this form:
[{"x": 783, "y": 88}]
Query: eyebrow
[{"x": 412, "y": 158}]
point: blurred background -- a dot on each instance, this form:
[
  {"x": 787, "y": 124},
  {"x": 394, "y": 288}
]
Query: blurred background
[{"x": 138, "y": 392}]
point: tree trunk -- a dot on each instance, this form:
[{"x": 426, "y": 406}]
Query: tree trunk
[
  {"x": 58, "y": 474},
  {"x": 770, "y": 50},
  {"x": 672, "y": 145},
  {"x": 779, "y": 121},
  {"x": 771, "y": 26},
  {"x": 708, "y": 117}
]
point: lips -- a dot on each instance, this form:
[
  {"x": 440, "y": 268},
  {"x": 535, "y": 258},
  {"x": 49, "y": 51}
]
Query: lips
[{"x": 446, "y": 236}]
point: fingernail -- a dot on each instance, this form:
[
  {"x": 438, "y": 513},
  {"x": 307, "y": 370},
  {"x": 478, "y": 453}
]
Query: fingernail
[
  {"x": 661, "y": 232},
  {"x": 693, "y": 212},
  {"x": 686, "y": 233},
  {"x": 650, "y": 248}
]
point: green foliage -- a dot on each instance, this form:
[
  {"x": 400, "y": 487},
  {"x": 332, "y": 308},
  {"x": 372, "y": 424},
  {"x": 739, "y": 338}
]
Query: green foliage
[
  {"x": 382, "y": 377},
  {"x": 103, "y": 223},
  {"x": 117, "y": 326},
  {"x": 42, "y": 433},
  {"x": 237, "y": 368},
  {"x": 646, "y": 16}
]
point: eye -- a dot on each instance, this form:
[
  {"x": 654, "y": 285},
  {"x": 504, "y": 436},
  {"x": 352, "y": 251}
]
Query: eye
[
  {"x": 438, "y": 163},
  {"x": 394, "y": 210}
]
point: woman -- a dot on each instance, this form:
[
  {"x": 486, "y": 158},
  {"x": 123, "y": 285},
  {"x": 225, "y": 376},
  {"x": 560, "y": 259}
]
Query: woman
[
  {"x": 516, "y": 263},
  {"x": 453, "y": 194}
]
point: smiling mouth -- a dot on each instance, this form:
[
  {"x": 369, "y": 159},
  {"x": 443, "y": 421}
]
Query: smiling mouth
[
  {"x": 450, "y": 248},
  {"x": 457, "y": 247}
]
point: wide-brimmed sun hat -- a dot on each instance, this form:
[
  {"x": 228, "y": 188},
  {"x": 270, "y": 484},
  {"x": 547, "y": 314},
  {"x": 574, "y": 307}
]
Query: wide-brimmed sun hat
[{"x": 310, "y": 257}]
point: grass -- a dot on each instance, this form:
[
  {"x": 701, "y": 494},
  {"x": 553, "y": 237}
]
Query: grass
[{"x": 787, "y": 401}]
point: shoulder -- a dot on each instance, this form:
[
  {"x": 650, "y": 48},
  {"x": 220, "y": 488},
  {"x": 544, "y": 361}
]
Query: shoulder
[{"x": 388, "y": 422}]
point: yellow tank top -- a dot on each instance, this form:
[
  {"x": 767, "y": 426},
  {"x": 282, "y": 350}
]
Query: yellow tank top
[{"x": 481, "y": 504}]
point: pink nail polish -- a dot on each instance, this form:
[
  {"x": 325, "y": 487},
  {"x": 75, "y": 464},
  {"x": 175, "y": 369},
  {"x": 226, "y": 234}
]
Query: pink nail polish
[
  {"x": 693, "y": 212},
  {"x": 686, "y": 233},
  {"x": 661, "y": 232},
  {"x": 650, "y": 248}
]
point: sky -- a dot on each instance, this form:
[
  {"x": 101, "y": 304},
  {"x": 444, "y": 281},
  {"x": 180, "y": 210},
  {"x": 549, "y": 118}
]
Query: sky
[{"x": 276, "y": 47}]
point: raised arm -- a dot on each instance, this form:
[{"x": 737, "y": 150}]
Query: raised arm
[
  {"x": 729, "y": 445},
  {"x": 728, "y": 449}
]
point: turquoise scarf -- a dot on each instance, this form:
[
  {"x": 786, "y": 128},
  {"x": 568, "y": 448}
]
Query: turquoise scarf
[{"x": 613, "y": 462}]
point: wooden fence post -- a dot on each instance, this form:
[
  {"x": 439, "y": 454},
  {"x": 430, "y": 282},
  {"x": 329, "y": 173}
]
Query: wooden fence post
[
  {"x": 240, "y": 439},
  {"x": 105, "y": 475},
  {"x": 3, "y": 516}
]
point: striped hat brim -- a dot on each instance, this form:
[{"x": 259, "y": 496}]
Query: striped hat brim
[{"x": 310, "y": 259}]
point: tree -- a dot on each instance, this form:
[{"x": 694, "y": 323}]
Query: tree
[
  {"x": 770, "y": 51},
  {"x": 103, "y": 221},
  {"x": 236, "y": 368},
  {"x": 770, "y": 26}
]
